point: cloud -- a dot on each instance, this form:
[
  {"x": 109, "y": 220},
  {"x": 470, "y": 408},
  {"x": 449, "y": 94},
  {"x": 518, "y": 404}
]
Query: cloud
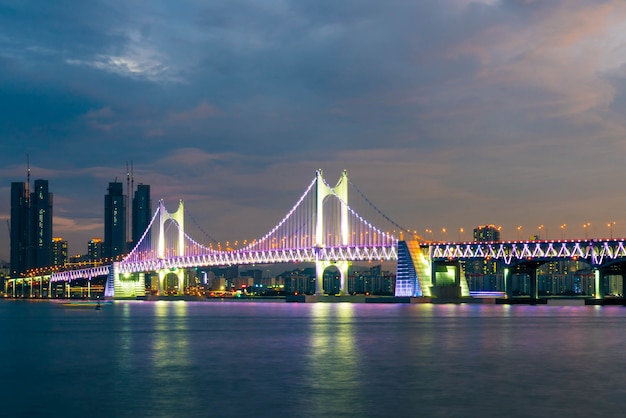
[
  {"x": 453, "y": 111},
  {"x": 137, "y": 59},
  {"x": 204, "y": 110}
]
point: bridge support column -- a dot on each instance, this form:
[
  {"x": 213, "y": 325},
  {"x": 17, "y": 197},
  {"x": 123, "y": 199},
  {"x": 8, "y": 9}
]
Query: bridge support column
[
  {"x": 507, "y": 283},
  {"x": 534, "y": 288},
  {"x": 180, "y": 274},
  {"x": 446, "y": 279},
  {"x": 321, "y": 266},
  {"x": 599, "y": 283},
  {"x": 161, "y": 282},
  {"x": 181, "y": 281}
]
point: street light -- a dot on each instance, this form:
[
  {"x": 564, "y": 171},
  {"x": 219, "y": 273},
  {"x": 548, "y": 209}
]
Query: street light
[
  {"x": 461, "y": 231},
  {"x": 540, "y": 227},
  {"x": 587, "y": 225},
  {"x": 519, "y": 230},
  {"x": 562, "y": 229},
  {"x": 610, "y": 225}
]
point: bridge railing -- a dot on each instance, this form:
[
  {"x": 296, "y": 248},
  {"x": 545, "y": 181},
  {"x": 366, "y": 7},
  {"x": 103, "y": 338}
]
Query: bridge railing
[{"x": 593, "y": 251}]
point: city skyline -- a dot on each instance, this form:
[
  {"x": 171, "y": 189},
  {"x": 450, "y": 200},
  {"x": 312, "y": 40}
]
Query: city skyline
[{"x": 447, "y": 115}]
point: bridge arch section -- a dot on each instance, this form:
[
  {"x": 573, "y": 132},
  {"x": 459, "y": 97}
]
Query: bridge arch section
[
  {"x": 323, "y": 191},
  {"x": 179, "y": 218},
  {"x": 323, "y": 266}
]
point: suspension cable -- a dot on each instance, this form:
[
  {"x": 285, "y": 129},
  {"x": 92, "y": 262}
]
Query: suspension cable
[
  {"x": 375, "y": 208},
  {"x": 200, "y": 228}
]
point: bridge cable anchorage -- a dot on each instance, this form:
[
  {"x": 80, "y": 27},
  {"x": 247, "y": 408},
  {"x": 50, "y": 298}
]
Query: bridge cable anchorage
[{"x": 375, "y": 208}]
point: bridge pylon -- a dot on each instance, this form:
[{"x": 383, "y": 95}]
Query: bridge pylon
[
  {"x": 322, "y": 191},
  {"x": 179, "y": 218}
]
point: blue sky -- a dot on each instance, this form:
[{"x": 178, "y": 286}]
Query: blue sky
[{"x": 446, "y": 114}]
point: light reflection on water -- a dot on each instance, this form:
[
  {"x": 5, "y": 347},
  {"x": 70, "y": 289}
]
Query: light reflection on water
[
  {"x": 333, "y": 364},
  {"x": 164, "y": 359}
]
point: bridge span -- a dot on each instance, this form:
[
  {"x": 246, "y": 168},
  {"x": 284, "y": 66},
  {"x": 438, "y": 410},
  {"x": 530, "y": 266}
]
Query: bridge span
[{"x": 322, "y": 228}]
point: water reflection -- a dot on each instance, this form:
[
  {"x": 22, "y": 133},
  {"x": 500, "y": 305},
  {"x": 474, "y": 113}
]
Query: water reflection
[
  {"x": 334, "y": 360},
  {"x": 153, "y": 356},
  {"x": 170, "y": 346},
  {"x": 125, "y": 357}
]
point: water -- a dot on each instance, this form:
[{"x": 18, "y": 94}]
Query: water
[{"x": 239, "y": 359}]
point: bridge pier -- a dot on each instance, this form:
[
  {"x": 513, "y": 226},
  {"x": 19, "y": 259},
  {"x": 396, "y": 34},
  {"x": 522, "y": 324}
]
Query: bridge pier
[
  {"x": 599, "y": 283},
  {"x": 127, "y": 285},
  {"x": 447, "y": 280},
  {"x": 608, "y": 286},
  {"x": 534, "y": 288},
  {"x": 321, "y": 266},
  {"x": 529, "y": 269},
  {"x": 180, "y": 275}
]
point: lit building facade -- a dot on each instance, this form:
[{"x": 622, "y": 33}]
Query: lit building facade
[
  {"x": 41, "y": 224},
  {"x": 20, "y": 237},
  {"x": 485, "y": 275},
  {"x": 59, "y": 252},
  {"x": 31, "y": 227},
  {"x": 114, "y": 221},
  {"x": 486, "y": 233},
  {"x": 95, "y": 249}
]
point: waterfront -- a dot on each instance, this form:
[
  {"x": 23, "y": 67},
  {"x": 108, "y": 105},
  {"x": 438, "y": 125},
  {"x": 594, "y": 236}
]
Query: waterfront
[{"x": 193, "y": 359}]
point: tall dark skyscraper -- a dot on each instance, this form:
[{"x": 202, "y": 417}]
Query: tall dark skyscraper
[
  {"x": 114, "y": 221},
  {"x": 20, "y": 236},
  {"x": 31, "y": 227},
  {"x": 142, "y": 211},
  {"x": 41, "y": 224}
]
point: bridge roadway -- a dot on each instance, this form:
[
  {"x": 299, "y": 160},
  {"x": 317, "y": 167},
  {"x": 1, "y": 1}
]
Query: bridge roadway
[{"x": 605, "y": 257}]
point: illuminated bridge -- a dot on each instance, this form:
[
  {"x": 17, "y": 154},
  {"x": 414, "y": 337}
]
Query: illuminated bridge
[
  {"x": 320, "y": 228},
  {"x": 604, "y": 256},
  {"x": 323, "y": 228}
]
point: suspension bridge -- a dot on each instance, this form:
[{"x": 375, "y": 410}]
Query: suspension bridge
[
  {"x": 323, "y": 228},
  {"x": 320, "y": 228}
]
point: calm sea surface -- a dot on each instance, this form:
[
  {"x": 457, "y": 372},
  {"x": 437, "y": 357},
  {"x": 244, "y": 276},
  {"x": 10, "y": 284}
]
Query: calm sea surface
[{"x": 254, "y": 359}]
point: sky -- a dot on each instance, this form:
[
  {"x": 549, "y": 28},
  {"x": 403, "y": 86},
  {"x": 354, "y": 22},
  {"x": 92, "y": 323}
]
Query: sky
[{"x": 447, "y": 114}]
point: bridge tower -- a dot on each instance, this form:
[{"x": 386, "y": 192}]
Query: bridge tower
[
  {"x": 323, "y": 191},
  {"x": 179, "y": 218}
]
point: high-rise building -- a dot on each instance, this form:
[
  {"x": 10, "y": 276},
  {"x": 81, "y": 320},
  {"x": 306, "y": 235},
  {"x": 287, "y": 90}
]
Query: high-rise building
[
  {"x": 59, "y": 252},
  {"x": 20, "y": 228},
  {"x": 41, "y": 224},
  {"x": 486, "y": 233},
  {"x": 95, "y": 249},
  {"x": 31, "y": 227},
  {"x": 142, "y": 211},
  {"x": 114, "y": 221},
  {"x": 485, "y": 274}
]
